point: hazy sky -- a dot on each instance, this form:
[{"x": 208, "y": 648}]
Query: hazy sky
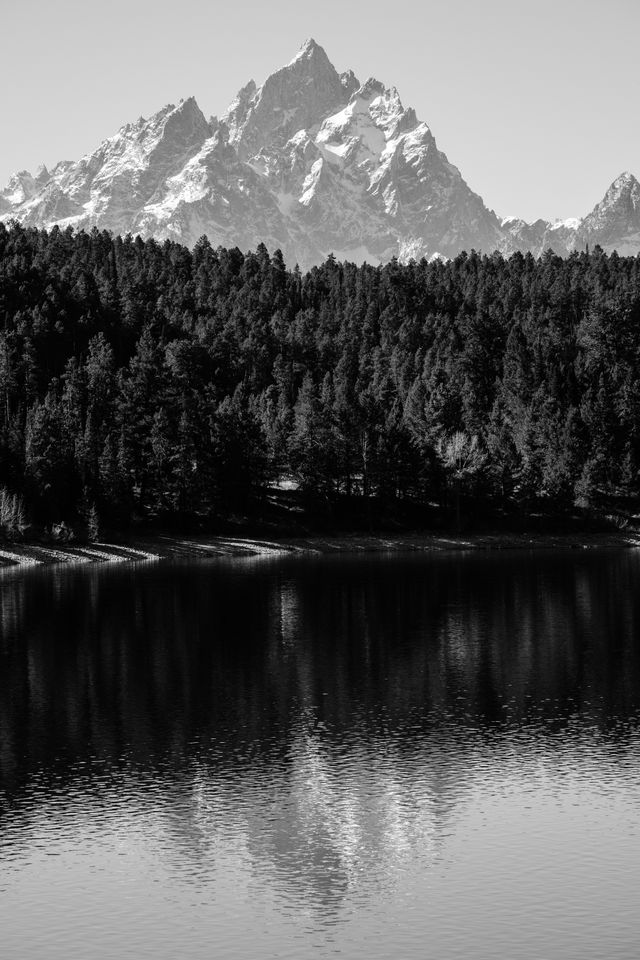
[{"x": 536, "y": 102}]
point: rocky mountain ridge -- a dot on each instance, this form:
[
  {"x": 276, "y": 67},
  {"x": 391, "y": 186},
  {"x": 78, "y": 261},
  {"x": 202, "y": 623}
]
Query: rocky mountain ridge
[{"x": 312, "y": 162}]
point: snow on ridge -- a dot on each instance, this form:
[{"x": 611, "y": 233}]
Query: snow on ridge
[{"x": 570, "y": 223}]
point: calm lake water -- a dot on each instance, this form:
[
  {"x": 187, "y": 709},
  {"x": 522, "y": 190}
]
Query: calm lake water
[{"x": 426, "y": 757}]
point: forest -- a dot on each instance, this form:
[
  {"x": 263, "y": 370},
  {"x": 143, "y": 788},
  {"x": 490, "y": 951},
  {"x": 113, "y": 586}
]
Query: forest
[{"x": 144, "y": 382}]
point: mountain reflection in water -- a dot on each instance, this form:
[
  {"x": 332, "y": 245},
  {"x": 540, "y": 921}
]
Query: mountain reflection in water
[{"x": 279, "y": 749}]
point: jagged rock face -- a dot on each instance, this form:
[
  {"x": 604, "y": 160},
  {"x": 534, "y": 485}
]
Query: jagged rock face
[
  {"x": 614, "y": 223},
  {"x": 312, "y": 162},
  {"x": 297, "y": 97}
]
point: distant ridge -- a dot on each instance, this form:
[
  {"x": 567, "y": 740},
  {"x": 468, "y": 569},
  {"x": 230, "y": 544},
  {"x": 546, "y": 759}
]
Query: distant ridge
[{"x": 311, "y": 162}]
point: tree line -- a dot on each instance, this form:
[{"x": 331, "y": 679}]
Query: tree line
[{"x": 141, "y": 379}]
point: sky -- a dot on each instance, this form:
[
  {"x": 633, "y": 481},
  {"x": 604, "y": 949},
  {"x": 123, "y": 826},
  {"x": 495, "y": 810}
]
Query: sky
[{"x": 536, "y": 102}]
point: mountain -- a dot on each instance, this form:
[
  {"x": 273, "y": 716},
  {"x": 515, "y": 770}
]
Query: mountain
[
  {"x": 615, "y": 221},
  {"x": 312, "y": 162}
]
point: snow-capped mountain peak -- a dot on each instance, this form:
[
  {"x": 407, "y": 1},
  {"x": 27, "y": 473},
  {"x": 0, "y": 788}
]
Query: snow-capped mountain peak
[
  {"x": 309, "y": 50},
  {"x": 615, "y": 221},
  {"x": 297, "y": 96},
  {"x": 311, "y": 161}
]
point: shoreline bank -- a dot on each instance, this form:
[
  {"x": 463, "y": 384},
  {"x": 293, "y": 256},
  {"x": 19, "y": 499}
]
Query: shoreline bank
[{"x": 157, "y": 548}]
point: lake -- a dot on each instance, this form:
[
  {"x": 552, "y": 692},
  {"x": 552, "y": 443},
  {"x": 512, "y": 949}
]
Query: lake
[{"x": 416, "y": 756}]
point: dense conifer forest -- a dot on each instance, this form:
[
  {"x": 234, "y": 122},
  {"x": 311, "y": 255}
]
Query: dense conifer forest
[{"x": 143, "y": 381}]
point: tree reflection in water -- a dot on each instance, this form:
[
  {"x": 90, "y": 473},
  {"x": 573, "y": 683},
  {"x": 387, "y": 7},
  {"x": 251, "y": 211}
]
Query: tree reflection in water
[{"x": 322, "y": 720}]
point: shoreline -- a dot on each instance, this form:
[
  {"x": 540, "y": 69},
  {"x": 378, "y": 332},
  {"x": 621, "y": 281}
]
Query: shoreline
[{"x": 160, "y": 547}]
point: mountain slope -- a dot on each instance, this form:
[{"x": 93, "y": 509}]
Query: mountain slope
[{"x": 311, "y": 162}]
